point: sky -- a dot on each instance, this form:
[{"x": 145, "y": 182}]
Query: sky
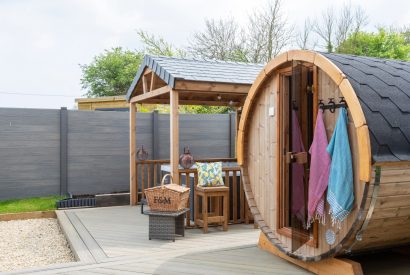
[{"x": 42, "y": 42}]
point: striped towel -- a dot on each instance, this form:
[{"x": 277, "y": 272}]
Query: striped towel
[
  {"x": 319, "y": 172},
  {"x": 340, "y": 194}
]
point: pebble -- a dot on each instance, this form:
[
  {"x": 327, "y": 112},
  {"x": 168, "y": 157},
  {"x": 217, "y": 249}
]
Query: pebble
[{"x": 32, "y": 243}]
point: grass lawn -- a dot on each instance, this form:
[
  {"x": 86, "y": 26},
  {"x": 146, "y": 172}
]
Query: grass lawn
[{"x": 29, "y": 205}]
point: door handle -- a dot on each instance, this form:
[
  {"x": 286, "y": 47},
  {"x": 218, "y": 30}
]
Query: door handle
[{"x": 296, "y": 157}]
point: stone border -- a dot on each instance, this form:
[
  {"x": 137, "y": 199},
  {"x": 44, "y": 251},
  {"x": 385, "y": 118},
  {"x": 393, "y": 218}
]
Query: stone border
[{"x": 28, "y": 215}]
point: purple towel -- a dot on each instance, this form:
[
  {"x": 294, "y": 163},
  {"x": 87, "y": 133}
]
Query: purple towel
[
  {"x": 298, "y": 172},
  {"x": 319, "y": 172}
]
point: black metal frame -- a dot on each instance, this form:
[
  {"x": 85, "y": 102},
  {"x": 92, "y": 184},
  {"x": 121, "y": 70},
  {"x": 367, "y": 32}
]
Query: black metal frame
[{"x": 332, "y": 105}]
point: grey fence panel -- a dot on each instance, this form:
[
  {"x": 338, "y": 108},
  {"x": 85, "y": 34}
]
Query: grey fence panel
[
  {"x": 96, "y": 158},
  {"x": 98, "y": 150},
  {"x": 207, "y": 135},
  {"x": 29, "y": 152}
]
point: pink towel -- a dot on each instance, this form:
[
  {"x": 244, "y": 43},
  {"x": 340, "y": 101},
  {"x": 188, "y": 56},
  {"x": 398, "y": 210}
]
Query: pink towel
[
  {"x": 298, "y": 172},
  {"x": 319, "y": 172}
]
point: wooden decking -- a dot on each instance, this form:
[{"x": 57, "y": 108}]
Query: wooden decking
[{"x": 114, "y": 240}]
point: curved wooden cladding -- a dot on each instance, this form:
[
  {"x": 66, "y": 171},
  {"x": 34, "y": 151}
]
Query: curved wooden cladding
[{"x": 338, "y": 78}]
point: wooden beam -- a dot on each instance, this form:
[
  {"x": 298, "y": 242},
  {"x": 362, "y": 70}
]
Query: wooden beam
[
  {"x": 212, "y": 86},
  {"x": 326, "y": 266},
  {"x": 152, "y": 94},
  {"x": 212, "y": 94},
  {"x": 147, "y": 71},
  {"x": 151, "y": 86},
  {"x": 133, "y": 178},
  {"x": 192, "y": 102},
  {"x": 28, "y": 215},
  {"x": 174, "y": 135},
  {"x": 145, "y": 85}
]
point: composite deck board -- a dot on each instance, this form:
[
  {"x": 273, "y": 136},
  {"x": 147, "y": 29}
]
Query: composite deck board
[
  {"x": 87, "y": 238},
  {"x": 79, "y": 248},
  {"x": 117, "y": 240}
]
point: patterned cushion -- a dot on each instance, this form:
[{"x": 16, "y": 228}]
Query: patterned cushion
[{"x": 209, "y": 174}]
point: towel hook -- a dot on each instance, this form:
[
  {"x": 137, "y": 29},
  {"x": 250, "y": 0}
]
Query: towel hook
[
  {"x": 294, "y": 106},
  {"x": 321, "y": 105},
  {"x": 333, "y": 105},
  {"x": 342, "y": 100}
]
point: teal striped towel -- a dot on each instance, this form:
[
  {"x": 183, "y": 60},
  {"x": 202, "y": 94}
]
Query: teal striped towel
[{"x": 340, "y": 194}]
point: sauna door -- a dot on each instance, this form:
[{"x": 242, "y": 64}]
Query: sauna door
[{"x": 298, "y": 120}]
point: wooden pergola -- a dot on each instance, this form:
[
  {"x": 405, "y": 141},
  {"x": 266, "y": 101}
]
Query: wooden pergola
[{"x": 181, "y": 81}]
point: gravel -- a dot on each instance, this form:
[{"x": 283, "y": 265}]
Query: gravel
[{"x": 32, "y": 243}]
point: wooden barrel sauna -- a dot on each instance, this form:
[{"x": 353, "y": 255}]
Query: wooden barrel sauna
[{"x": 377, "y": 93}]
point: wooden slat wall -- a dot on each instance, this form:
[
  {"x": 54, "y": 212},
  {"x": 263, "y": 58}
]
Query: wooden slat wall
[
  {"x": 261, "y": 157},
  {"x": 390, "y": 223}
]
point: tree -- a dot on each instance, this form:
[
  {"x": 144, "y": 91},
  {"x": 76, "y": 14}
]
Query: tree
[
  {"x": 266, "y": 35},
  {"x": 406, "y": 33},
  {"x": 384, "y": 44},
  {"x": 221, "y": 39},
  {"x": 334, "y": 28},
  {"x": 325, "y": 28},
  {"x": 269, "y": 29},
  {"x": 158, "y": 46},
  {"x": 303, "y": 39},
  {"x": 110, "y": 73}
]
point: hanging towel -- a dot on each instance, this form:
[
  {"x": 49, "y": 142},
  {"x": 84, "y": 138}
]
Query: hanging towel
[
  {"x": 340, "y": 194},
  {"x": 319, "y": 172},
  {"x": 298, "y": 172}
]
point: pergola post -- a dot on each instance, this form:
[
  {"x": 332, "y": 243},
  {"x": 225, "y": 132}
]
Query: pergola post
[
  {"x": 174, "y": 135},
  {"x": 133, "y": 178}
]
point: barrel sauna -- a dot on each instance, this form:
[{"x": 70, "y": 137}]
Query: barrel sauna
[{"x": 377, "y": 93}]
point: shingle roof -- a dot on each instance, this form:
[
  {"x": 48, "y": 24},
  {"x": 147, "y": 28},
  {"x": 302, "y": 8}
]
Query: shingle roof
[
  {"x": 383, "y": 89},
  {"x": 171, "y": 68}
]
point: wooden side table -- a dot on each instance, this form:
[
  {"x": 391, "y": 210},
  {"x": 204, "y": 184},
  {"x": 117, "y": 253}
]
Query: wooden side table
[
  {"x": 203, "y": 219},
  {"x": 166, "y": 225}
]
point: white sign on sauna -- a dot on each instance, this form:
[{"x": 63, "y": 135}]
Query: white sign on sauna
[{"x": 271, "y": 111}]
